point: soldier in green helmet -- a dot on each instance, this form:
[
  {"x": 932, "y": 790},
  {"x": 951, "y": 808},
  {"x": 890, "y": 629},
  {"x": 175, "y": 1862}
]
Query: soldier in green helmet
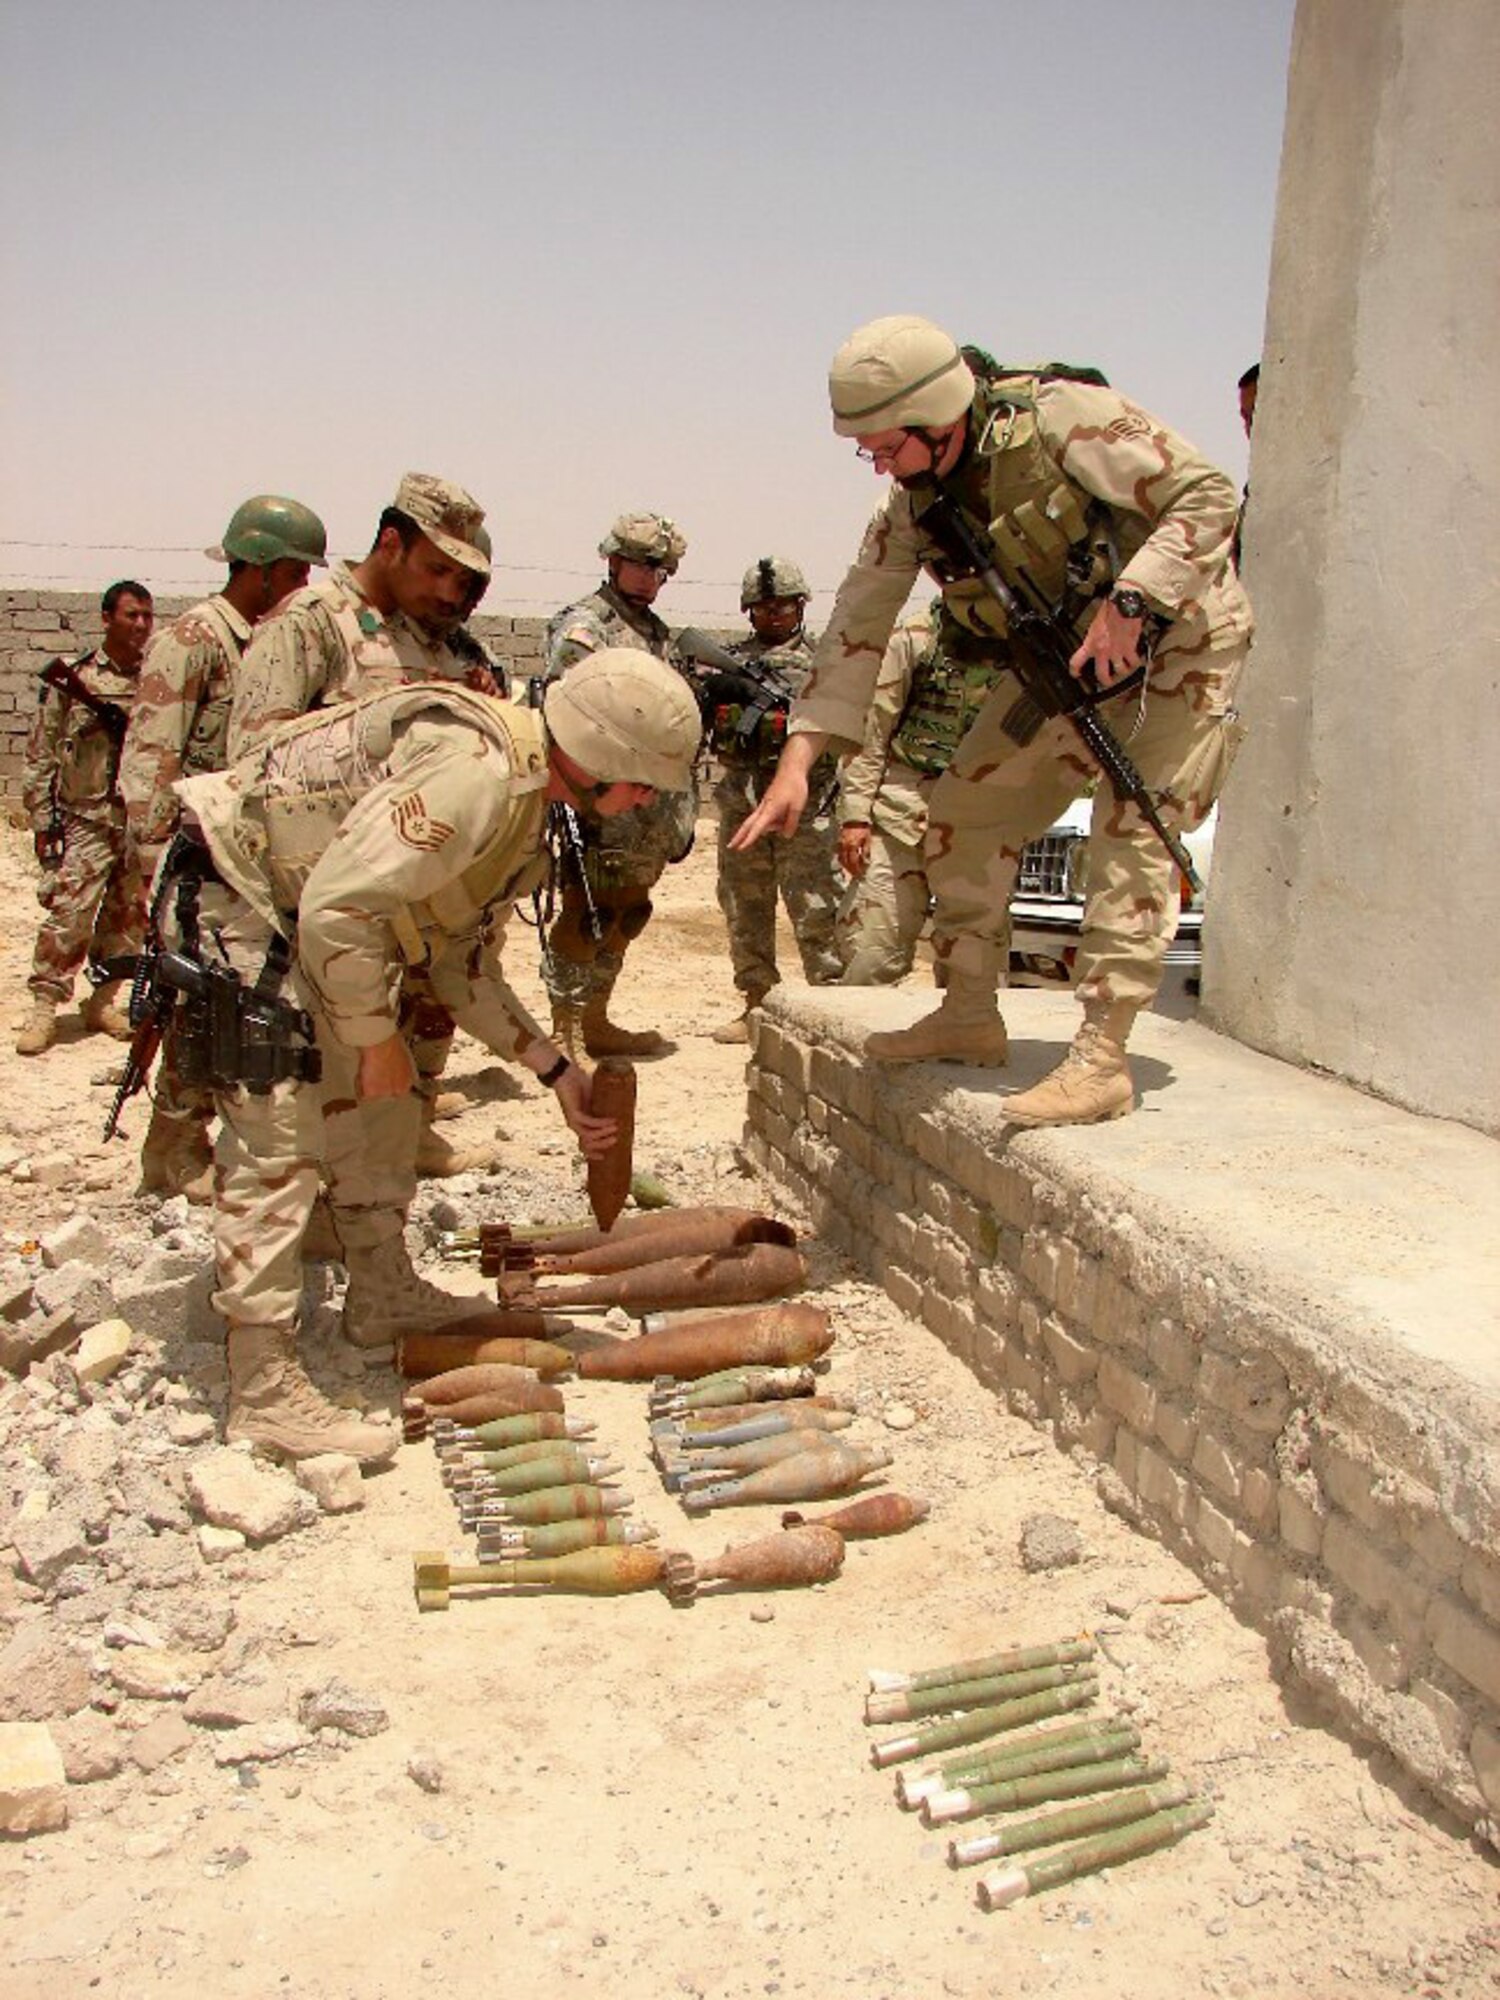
[
  {"x": 1094, "y": 507},
  {"x": 178, "y": 727}
]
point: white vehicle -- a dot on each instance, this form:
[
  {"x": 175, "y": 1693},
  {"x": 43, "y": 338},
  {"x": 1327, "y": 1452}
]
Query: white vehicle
[{"x": 1046, "y": 911}]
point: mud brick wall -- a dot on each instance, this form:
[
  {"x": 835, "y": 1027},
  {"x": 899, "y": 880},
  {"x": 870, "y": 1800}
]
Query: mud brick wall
[
  {"x": 36, "y": 625},
  {"x": 1333, "y": 1514}
]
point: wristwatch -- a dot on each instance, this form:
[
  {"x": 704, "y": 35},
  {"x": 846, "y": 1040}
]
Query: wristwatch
[{"x": 1130, "y": 603}]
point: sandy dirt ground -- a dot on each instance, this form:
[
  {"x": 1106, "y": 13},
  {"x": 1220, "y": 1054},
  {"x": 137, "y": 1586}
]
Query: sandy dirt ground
[{"x": 621, "y": 1797}]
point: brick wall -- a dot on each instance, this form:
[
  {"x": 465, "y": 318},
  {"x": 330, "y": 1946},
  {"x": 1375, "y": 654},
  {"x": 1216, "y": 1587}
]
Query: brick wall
[
  {"x": 36, "y": 625},
  {"x": 1347, "y": 1515}
]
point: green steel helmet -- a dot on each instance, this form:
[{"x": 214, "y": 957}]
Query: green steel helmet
[
  {"x": 900, "y": 373},
  {"x": 270, "y": 529},
  {"x": 772, "y": 576},
  {"x": 649, "y": 538},
  {"x": 626, "y": 718}
]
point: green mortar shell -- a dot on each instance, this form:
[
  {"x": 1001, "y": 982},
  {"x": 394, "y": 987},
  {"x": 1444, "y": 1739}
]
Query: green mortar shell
[
  {"x": 983, "y": 1722},
  {"x": 562, "y": 1503},
  {"x": 1085, "y": 1857},
  {"x": 1069, "y": 1822},
  {"x": 967, "y": 1800},
  {"x": 537, "y": 1474},
  {"x": 970, "y": 1694},
  {"x": 1012, "y": 1794},
  {"x": 1016, "y": 1660},
  {"x": 527, "y": 1454},
  {"x": 530, "y": 1427},
  {"x": 561, "y": 1538}
]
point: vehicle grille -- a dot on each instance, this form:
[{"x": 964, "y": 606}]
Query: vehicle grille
[{"x": 1044, "y": 866}]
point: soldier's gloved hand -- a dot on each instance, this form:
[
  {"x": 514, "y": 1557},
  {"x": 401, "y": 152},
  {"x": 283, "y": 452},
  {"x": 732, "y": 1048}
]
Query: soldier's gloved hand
[
  {"x": 385, "y": 1070},
  {"x": 595, "y": 1135},
  {"x": 854, "y": 847}
]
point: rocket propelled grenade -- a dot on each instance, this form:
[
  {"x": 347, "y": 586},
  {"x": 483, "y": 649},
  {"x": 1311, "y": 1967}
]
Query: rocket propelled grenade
[
  {"x": 1016, "y": 1658},
  {"x": 794, "y": 1558},
  {"x": 1004, "y": 1886},
  {"x": 825, "y": 1468},
  {"x": 981, "y": 1767},
  {"x": 969, "y": 1800},
  {"x": 905, "y": 1705},
  {"x": 601, "y": 1572},
  {"x": 983, "y": 1722},
  {"x": 716, "y": 1278},
  {"x": 876, "y": 1514},
  {"x": 1012, "y": 1794},
  {"x": 1089, "y": 1816},
  {"x": 778, "y": 1335},
  {"x": 612, "y": 1095}
]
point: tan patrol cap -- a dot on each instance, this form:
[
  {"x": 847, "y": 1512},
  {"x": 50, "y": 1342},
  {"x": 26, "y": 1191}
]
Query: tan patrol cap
[
  {"x": 898, "y": 373},
  {"x": 626, "y": 717},
  {"x": 449, "y": 517}
]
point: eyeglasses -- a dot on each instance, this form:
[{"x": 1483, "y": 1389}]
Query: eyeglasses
[{"x": 873, "y": 454}]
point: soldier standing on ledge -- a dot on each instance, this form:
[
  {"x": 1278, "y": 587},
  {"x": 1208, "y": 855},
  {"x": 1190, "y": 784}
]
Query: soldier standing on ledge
[
  {"x": 747, "y": 740},
  {"x": 178, "y": 727},
  {"x": 623, "y": 858},
  {"x": 1094, "y": 508},
  {"x": 90, "y": 894}
]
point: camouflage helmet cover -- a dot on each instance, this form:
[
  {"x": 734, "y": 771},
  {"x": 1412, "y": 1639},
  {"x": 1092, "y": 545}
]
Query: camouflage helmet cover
[
  {"x": 898, "y": 373},
  {"x": 772, "y": 576},
  {"x": 270, "y": 528},
  {"x": 646, "y": 538},
  {"x": 626, "y": 717}
]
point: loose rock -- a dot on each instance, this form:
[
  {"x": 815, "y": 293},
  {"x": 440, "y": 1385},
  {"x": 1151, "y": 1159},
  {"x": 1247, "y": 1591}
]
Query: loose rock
[
  {"x": 336, "y": 1705},
  {"x": 232, "y": 1491}
]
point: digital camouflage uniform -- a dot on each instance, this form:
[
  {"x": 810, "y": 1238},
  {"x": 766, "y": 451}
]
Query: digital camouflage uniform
[
  {"x": 394, "y": 829},
  {"x": 800, "y": 869},
  {"x": 1047, "y": 453},
  {"x": 625, "y": 856},
  {"x": 884, "y": 909},
  {"x": 92, "y": 899}
]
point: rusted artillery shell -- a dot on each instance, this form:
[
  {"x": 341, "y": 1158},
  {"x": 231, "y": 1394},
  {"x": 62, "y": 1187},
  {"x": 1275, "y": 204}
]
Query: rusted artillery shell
[
  {"x": 776, "y": 1334},
  {"x": 825, "y": 1467},
  {"x": 685, "y": 1236},
  {"x": 423, "y": 1354},
  {"x": 875, "y": 1514},
  {"x": 455, "y": 1385},
  {"x": 612, "y": 1095},
  {"x": 812, "y": 1413},
  {"x": 564, "y": 1241},
  {"x": 490, "y": 1406},
  {"x": 794, "y": 1558},
  {"x": 718, "y": 1278}
]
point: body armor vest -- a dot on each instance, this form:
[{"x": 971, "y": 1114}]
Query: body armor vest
[{"x": 950, "y": 685}]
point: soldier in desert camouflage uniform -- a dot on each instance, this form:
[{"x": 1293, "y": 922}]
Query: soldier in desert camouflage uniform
[
  {"x": 624, "y": 860},
  {"x": 178, "y": 727},
  {"x": 1088, "y": 500},
  {"x": 90, "y": 893},
  {"x": 774, "y": 594},
  {"x": 394, "y": 617},
  {"x": 401, "y": 827}
]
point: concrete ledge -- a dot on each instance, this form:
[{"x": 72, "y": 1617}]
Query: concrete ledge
[{"x": 1265, "y": 1304}]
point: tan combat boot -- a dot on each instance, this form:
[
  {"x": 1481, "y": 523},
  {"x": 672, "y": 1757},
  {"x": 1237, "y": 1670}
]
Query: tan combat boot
[
  {"x": 449, "y": 1104},
  {"x": 101, "y": 1016},
  {"x": 602, "y": 1038},
  {"x": 38, "y": 1031},
  {"x": 387, "y": 1299},
  {"x": 273, "y": 1405},
  {"x": 738, "y": 1030},
  {"x": 176, "y": 1158},
  {"x": 966, "y": 1028},
  {"x": 438, "y": 1156},
  {"x": 1090, "y": 1084}
]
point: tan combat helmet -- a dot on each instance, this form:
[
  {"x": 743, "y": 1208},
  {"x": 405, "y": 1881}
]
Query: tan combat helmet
[
  {"x": 899, "y": 373},
  {"x": 626, "y": 717},
  {"x": 772, "y": 576},
  {"x": 449, "y": 517},
  {"x": 270, "y": 528},
  {"x": 652, "y": 538}
]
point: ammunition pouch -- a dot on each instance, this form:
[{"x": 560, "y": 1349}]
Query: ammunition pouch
[{"x": 226, "y": 1033}]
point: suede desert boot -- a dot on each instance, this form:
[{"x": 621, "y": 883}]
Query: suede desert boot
[
  {"x": 601, "y": 1037},
  {"x": 438, "y": 1156},
  {"x": 1090, "y": 1084},
  {"x": 387, "y": 1299},
  {"x": 273, "y": 1406},
  {"x": 176, "y": 1158},
  {"x": 966, "y": 1028},
  {"x": 102, "y": 1016},
  {"x": 38, "y": 1031},
  {"x": 738, "y": 1030}
]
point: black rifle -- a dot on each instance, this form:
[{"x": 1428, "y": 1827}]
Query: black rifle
[
  {"x": 752, "y": 686},
  {"x": 1038, "y": 650},
  {"x": 567, "y": 839},
  {"x": 65, "y": 677}
]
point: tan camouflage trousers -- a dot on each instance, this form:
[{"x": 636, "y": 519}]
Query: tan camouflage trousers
[
  {"x": 882, "y": 914},
  {"x": 94, "y": 908},
  {"x": 801, "y": 871},
  {"x": 623, "y": 859},
  {"x": 996, "y": 796}
]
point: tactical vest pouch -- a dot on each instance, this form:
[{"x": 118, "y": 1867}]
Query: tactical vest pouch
[{"x": 227, "y": 1034}]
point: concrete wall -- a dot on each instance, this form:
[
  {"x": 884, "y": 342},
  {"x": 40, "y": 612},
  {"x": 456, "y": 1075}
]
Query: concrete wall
[
  {"x": 36, "y": 625},
  {"x": 1355, "y": 911}
]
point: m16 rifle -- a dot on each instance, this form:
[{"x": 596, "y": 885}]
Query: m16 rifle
[
  {"x": 752, "y": 687},
  {"x": 1039, "y": 647}
]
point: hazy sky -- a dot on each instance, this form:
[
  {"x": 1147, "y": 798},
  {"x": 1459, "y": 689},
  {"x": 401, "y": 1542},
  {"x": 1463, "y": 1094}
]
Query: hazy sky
[{"x": 587, "y": 257}]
